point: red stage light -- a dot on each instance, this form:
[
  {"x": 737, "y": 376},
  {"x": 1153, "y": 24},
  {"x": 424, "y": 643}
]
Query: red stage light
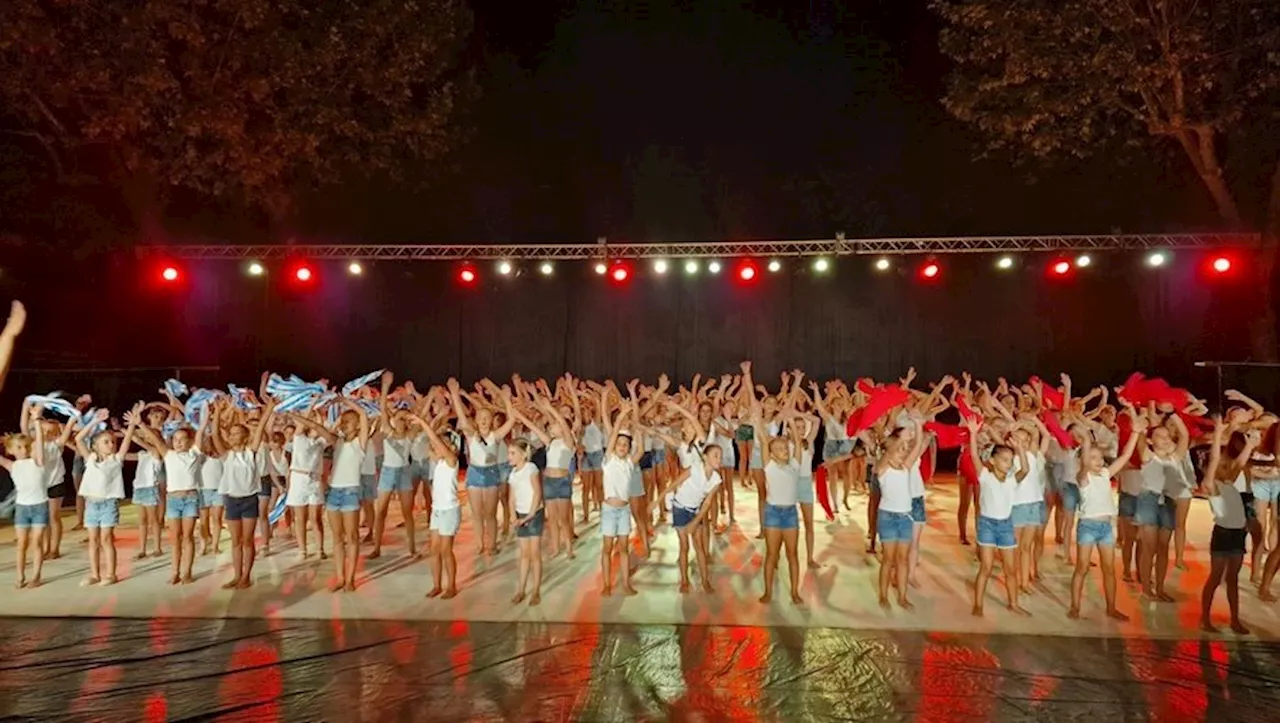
[
  {"x": 619, "y": 273},
  {"x": 467, "y": 276},
  {"x": 169, "y": 274},
  {"x": 303, "y": 274},
  {"x": 1222, "y": 264},
  {"x": 1061, "y": 268},
  {"x": 747, "y": 271},
  {"x": 931, "y": 271}
]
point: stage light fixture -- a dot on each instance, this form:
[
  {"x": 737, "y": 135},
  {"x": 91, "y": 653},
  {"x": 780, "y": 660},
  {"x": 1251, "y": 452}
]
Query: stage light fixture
[
  {"x": 504, "y": 268},
  {"x": 931, "y": 270},
  {"x": 821, "y": 265},
  {"x": 354, "y": 268},
  {"x": 882, "y": 264},
  {"x": 660, "y": 266},
  {"x": 303, "y": 273},
  {"x": 620, "y": 273},
  {"x": 601, "y": 268},
  {"x": 747, "y": 271},
  {"x": 1061, "y": 268},
  {"x": 1222, "y": 264},
  {"x": 714, "y": 267},
  {"x": 1005, "y": 262},
  {"x": 170, "y": 274},
  {"x": 546, "y": 268},
  {"x": 1083, "y": 260},
  {"x": 691, "y": 267},
  {"x": 1156, "y": 259},
  {"x": 467, "y": 275},
  {"x": 256, "y": 269},
  {"x": 775, "y": 266}
]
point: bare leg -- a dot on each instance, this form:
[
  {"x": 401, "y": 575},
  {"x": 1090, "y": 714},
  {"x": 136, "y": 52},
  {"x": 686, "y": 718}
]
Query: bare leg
[{"x": 806, "y": 516}]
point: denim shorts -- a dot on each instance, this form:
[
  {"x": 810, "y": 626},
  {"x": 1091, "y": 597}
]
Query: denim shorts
[
  {"x": 917, "y": 510},
  {"x": 1028, "y": 514},
  {"x": 804, "y": 490},
  {"x": 265, "y": 487},
  {"x": 241, "y": 508},
  {"x": 504, "y": 472},
  {"x": 342, "y": 499},
  {"x": 894, "y": 526},
  {"x": 1128, "y": 505},
  {"x": 533, "y": 528},
  {"x": 419, "y": 471},
  {"x": 659, "y": 456},
  {"x": 1154, "y": 510},
  {"x": 996, "y": 533},
  {"x": 1070, "y": 497},
  {"x": 781, "y": 518},
  {"x": 210, "y": 498},
  {"x": 146, "y": 496},
  {"x": 446, "y": 522},
  {"x": 368, "y": 487},
  {"x": 681, "y": 516},
  {"x": 836, "y": 448},
  {"x": 101, "y": 513},
  {"x": 182, "y": 506},
  {"x": 757, "y": 460},
  {"x": 557, "y": 488},
  {"x": 615, "y": 521},
  {"x": 646, "y": 461},
  {"x": 394, "y": 479},
  {"x": 1266, "y": 490},
  {"x": 483, "y": 477},
  {"x": 36, "y": 515},
  {"x": 592, "y": 461},
  {"x": 1095, "y": 532}
]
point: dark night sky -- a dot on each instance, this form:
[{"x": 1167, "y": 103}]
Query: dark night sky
[{"x": 720, "y": 119}]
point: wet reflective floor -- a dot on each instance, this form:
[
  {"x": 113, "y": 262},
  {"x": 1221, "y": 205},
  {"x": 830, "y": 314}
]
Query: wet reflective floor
[{"x": 351, "y": 670}]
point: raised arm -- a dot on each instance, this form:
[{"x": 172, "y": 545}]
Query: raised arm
[
  {"x": 133, "y": 418},
  {"x": 12, "y": 328},
  {"x": 1210, "y": 482},
  {"x": 1139, "y": 427},
  {"x": 321, "y": 430},
  {"x": 82, "y": 448}
]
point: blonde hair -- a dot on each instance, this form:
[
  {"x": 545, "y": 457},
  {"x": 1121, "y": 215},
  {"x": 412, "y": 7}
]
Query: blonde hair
[{"x": 12, "y": 441}]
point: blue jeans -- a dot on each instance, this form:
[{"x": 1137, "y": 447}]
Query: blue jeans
[
  {"x": 1070, "y": 497},
  {"x": 368, "y": 487},
  {"x": 1128, "y": 505},
  {"x": 1095, "y": 532},
  {"x": 1266, "y": 490},
  {"x": 532, "y": 528},
  {"x": 894, "y": 526},
  {"x": 1028, "y": 514},
  {"x": 615, "y": 521},
  {"x": 996, "y": 533},
  {"x": 917, "y": 510},
  {"x": 680, "y": 516},
  {"x": 556, "y": 488},
  {"x": 394, "y": 479},
  {"x": 101, "y": 513},
  {"x": 36, "y": 515},
  {"x": 1154, "y": 510},
  {"x": 592, "y": 461},
  {"x": 484, "y": 476},
  {"x": 343, "y": 499},
  {"x": 146, "y": 496},
  {"x": 804, "y": 490},
  {"x": 210, "y": 498},
  {"x": 182, "y": 506},
  {"x": 781, "y": 518}
]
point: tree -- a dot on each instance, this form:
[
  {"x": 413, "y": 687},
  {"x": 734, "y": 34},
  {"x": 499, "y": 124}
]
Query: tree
[
  {"x": 246, "y": 100},
  {"x": 1068, "y": 77}
]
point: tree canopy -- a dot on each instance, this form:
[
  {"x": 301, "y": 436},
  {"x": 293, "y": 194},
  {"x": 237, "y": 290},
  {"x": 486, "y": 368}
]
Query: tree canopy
[
  {"x": 246, "y": 100},
  {"x": 1065, "y": 77}
]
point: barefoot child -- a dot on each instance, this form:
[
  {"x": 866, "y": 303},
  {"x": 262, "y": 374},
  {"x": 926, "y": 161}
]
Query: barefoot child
[
  {"x": 997, "y": 482},
  {"x": 1230, "y": 526},
  {"x": 31, "y": 513},
  {"x": 446, "y": 515},
  {"x": 525, "y": 490},
  {"x": 622, "y": 454},
  {"x": 102, "y": 488}
]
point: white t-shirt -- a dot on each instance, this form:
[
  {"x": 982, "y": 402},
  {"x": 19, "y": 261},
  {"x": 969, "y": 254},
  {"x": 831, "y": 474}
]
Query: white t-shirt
[
  {"x": 696, "y": 487},
  {"x": 103, "y": 479},
  {"x": 724, "y": 441},
  {"x": 420, "y": 448},
  {"x": 144, "y": 474},
  {"x": 1031, "y": 488},
  {"x": 996, "y": 497},
  {"x": 592, "y": 438},
  {"x": 483, "y": 451},
  {"x": 444, "y": 486},
  {"x": 306, "y": 454},
  {"x": 277, "y": 461},
  {"x": 1096, "y": 500},
  {"x": 895, "y": 489},
  {"x": 806, "y": 462},
  {"x": 836, "y": 432},
  {"x": 239, "y": 474},
  {"x": 559, "y": 454},
  {"x": 689, "y": 457},
  {"x": 521, "y": 481},
  {"x": 182, "y": 469},
  {"x": 29, "y": 482},
  {"x": 395, "y": 452},
  {"x": 617, "y": 477},
  {"x": 348, "y": 457},
  {"x": 915, "y": 478},
  {"x": 780, "y": 484},
  {"x": 1228, "y": 508},
  {"x": 211, "y": 473}
]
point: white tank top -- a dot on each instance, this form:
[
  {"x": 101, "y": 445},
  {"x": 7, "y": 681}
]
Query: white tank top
[
  {"x": 182, "y": 470},
  {"x": 1096, "y": 500},
  {"x": 395, "y": 452},
  {"x": 144, "y": 475},
  {"x": 915, "y": 478},
  {"x": 995, "y": 497},
  {"x": 895, "y": 490},
  {"x": 558, "y": 454},
  {"x": 239, "y": 474},
  {"x": 592, "y": 438},
  {"x": 482, "y": 451},
  {"x": 444, "y": 486},
  {"x": 521, "y": 481},
  {"x": 29, "y": 482},
  {"x": 348, "y": 458},
  {"x": 780, "y": 483},
  {"x": 836, "y": 432},
  {"x": 1031, "y": 488}
]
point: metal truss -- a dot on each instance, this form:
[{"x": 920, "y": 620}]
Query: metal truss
[{"x": 603, "y": 249}]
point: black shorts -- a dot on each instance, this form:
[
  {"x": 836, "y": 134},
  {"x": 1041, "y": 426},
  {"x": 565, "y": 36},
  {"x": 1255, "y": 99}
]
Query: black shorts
[
  {"x": 240, "y": 508},
  {"x": 1227, "y": 542},
  {"x": 59, "y": 491}
]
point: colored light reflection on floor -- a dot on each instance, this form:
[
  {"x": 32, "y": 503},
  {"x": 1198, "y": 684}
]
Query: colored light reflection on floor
[{"x": 252, "y": 670}]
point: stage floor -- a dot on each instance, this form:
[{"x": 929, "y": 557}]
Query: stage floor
[{"x": 289, "y": 649}]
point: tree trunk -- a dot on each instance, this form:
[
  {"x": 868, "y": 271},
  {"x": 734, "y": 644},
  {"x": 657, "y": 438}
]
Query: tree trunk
[{"x": 1203, "y": 153}]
